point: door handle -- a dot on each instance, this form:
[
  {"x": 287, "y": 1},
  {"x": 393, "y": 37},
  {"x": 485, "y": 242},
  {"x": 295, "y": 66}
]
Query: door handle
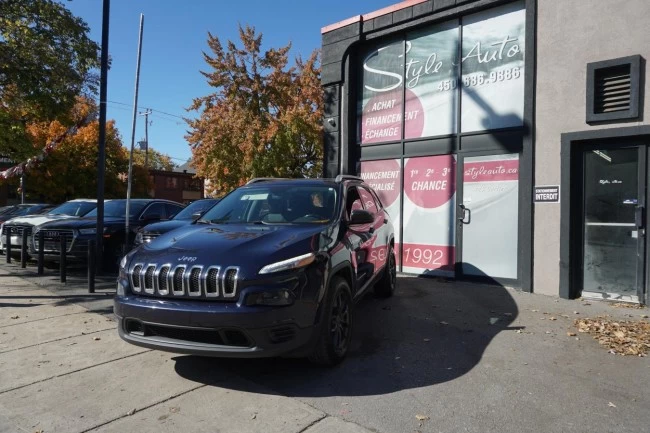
[
  {"x": 465, "y": 212},
  {"x": 639, "y": 217}
]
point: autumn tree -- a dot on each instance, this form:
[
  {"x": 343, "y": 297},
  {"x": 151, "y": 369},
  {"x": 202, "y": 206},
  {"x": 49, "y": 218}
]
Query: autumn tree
[
  {"x": 264, "y": 118},
  {"x": 69, "y": 169},
  {"x": 155, "y": 160},
  {"x": 46, "y": 61}
]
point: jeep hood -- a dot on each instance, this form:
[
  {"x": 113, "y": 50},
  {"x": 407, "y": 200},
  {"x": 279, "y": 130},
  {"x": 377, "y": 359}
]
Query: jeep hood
[{"x": 233, "y": 244}]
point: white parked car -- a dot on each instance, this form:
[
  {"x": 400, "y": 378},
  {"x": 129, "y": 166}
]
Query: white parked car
[{"x": 25, "y": 224}]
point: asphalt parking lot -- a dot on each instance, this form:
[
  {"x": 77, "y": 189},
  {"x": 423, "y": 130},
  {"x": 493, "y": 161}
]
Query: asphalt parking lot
[{"x": 437, "y": 357}]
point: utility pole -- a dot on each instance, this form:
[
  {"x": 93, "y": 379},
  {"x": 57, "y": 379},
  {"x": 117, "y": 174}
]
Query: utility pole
[
  {"x": 135, "y": 111},
  {"x": 101, "y": 157},
  {"x": 146, "y": 114}
]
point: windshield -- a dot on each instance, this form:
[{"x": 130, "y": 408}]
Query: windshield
[
  {"x": 25, "y": 210},
  {"x": 275, "y": 204},
  {"x": 117, "y": 209},
  {"x": 74, "y": 208},
  {"x": 195, "y": 207}
]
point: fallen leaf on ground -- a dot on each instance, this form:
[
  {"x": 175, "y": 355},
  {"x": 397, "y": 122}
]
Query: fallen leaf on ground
[
  {"x": 619, "y": 337},
  {"x": 131, "y": 412},
  {"x": 96, "y": 338},
  {"x": 15, "y": 317},
  {"x": 548, "y": 332},
  {"x": 575, "y": 312},
  {"x": 518, "y": 331},
  {"x": 571, "y": 334},
  {"x": 552, "y": 318},
  {"x": 627, "y": 305},
  {"x": 644, "y": 316},
  {"x": 421, "y": 417},
  {"x": 254, "y": 416},
  {"x": 610, "y": 404}
]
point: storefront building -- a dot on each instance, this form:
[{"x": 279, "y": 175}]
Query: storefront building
[{"x": 506, "y": 139}]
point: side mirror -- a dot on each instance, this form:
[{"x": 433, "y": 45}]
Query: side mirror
[
  {"x": 360, "y": 217},
  {"x": 197, "y": 215}
]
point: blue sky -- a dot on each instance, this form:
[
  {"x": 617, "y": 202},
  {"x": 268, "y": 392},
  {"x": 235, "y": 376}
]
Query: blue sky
[{"x": 175, "y": 34}]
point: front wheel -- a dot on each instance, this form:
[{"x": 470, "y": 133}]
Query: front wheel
[
  {"x": 336, "y": 327},
  {"x": 385, "y": 287}
]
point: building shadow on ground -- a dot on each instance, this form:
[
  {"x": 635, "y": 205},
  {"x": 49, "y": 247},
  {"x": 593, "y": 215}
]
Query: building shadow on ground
[{"x": 432, "y": 331}]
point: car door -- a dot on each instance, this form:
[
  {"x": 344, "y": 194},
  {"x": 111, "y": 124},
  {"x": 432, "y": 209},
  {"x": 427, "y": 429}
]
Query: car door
[
  {"x": 360, "y": 238},
  {"x": 378, "y": 243}
]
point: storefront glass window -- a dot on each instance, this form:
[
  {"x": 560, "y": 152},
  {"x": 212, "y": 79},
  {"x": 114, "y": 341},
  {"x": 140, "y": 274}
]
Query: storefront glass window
[
  {"x": 429, "y": 215},
  {"x": 380, "y": 119},
  {"x": 493, "y": 68},
  {"x": 431, "y": 98}
]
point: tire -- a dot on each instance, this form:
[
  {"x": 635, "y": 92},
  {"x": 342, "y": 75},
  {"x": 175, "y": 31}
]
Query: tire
[
  {"x": 336, "y": 327},
  {"x": 385, "y": 287}
]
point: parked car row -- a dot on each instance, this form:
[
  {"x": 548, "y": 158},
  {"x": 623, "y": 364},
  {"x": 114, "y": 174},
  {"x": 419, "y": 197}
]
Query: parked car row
[{"x": 76, "y": 221}]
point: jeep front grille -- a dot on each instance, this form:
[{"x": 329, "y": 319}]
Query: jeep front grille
[{"x": 184, "y": 281}]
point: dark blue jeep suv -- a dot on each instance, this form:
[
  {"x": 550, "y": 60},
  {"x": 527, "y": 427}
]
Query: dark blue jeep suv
[{"x": 273, "y": 269}]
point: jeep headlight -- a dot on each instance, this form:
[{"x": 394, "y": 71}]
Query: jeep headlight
[{"x": 285, "y": 265}]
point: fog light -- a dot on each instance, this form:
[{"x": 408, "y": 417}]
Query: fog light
[{"x": 276, "y": 297}]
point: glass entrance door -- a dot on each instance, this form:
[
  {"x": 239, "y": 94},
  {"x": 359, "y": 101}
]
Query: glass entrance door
[
  {"x": 613, "y": 222},
  {"x": 488, "y": 216}
]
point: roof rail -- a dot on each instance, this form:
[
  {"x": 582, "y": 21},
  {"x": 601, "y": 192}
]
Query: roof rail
[
  {"x": 341, "y": 177},
  {"x": 265, "y": 179}
]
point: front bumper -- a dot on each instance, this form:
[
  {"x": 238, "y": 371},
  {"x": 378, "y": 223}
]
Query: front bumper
[{"x": 207, "y": 328}]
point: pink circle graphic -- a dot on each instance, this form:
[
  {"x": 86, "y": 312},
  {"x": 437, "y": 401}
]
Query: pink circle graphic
[
  {"x": 382, "y": 117},
  {"x": 384, "y": 177},
  {"x": 430, "y": 181}
]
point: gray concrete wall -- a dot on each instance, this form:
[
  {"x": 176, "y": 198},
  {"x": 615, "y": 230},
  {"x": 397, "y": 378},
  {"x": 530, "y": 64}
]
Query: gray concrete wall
[{"x": 570, "y": 34}]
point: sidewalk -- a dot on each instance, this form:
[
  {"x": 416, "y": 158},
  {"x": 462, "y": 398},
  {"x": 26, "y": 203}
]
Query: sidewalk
[
  {"x": 64, "y": 369},
  {"x": 437, "y": 357}
]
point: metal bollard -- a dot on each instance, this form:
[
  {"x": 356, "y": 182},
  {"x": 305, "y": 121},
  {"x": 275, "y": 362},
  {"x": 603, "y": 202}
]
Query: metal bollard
[
  {"x": 41, "y": 252},
  {"x": 62, "y": 258},
  {"x": 23, "y": 250},
  {"x": 91, "y": 266},
  {"x": 8, "y": 243}
]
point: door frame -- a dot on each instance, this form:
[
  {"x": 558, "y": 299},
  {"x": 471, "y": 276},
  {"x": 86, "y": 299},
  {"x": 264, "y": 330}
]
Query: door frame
[
  {"x": 642, "y": 176},
  {"x": 458, "y": 262},
  {"x": 572, "y": 208}
]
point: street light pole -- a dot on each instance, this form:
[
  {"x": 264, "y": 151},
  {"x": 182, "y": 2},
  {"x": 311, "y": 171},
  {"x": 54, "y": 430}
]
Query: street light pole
[
  {"x": 101, "y": 156},
  {"x": 135, "y": 110}
]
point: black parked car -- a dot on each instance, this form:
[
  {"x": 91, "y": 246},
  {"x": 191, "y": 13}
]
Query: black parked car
[
  {"x": 191, "y": 213},
  {"x": 80, "y": 230},
  {"x": 273, "y": 269}
]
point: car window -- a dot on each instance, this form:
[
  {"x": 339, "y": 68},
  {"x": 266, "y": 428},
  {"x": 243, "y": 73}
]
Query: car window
[
  {"x": 368, "y": 200},
  {"x": 353, "y": 201},
  {"x": 156, "y": 209},
  {"x": 272, "y": 203},
  {"x": 172, "y": 210}
]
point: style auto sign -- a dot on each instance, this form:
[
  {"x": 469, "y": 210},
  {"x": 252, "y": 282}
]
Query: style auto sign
[{"x": 383, "y": 113}]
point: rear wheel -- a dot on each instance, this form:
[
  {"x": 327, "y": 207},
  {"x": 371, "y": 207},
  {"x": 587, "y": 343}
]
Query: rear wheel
[
  {"x": 385, "y": 287},
  {"x": 336, "y": 327}
]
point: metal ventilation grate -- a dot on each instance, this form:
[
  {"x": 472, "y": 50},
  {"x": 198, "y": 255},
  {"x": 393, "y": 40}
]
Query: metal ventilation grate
[{"x": 613, "y": 90}]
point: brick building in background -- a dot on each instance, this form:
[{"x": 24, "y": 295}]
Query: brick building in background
[{"x": 180, "y": 185}]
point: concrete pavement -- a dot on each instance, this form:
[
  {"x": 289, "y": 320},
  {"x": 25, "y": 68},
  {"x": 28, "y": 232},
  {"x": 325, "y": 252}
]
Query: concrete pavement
[{"x": 437, "y": 357}]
